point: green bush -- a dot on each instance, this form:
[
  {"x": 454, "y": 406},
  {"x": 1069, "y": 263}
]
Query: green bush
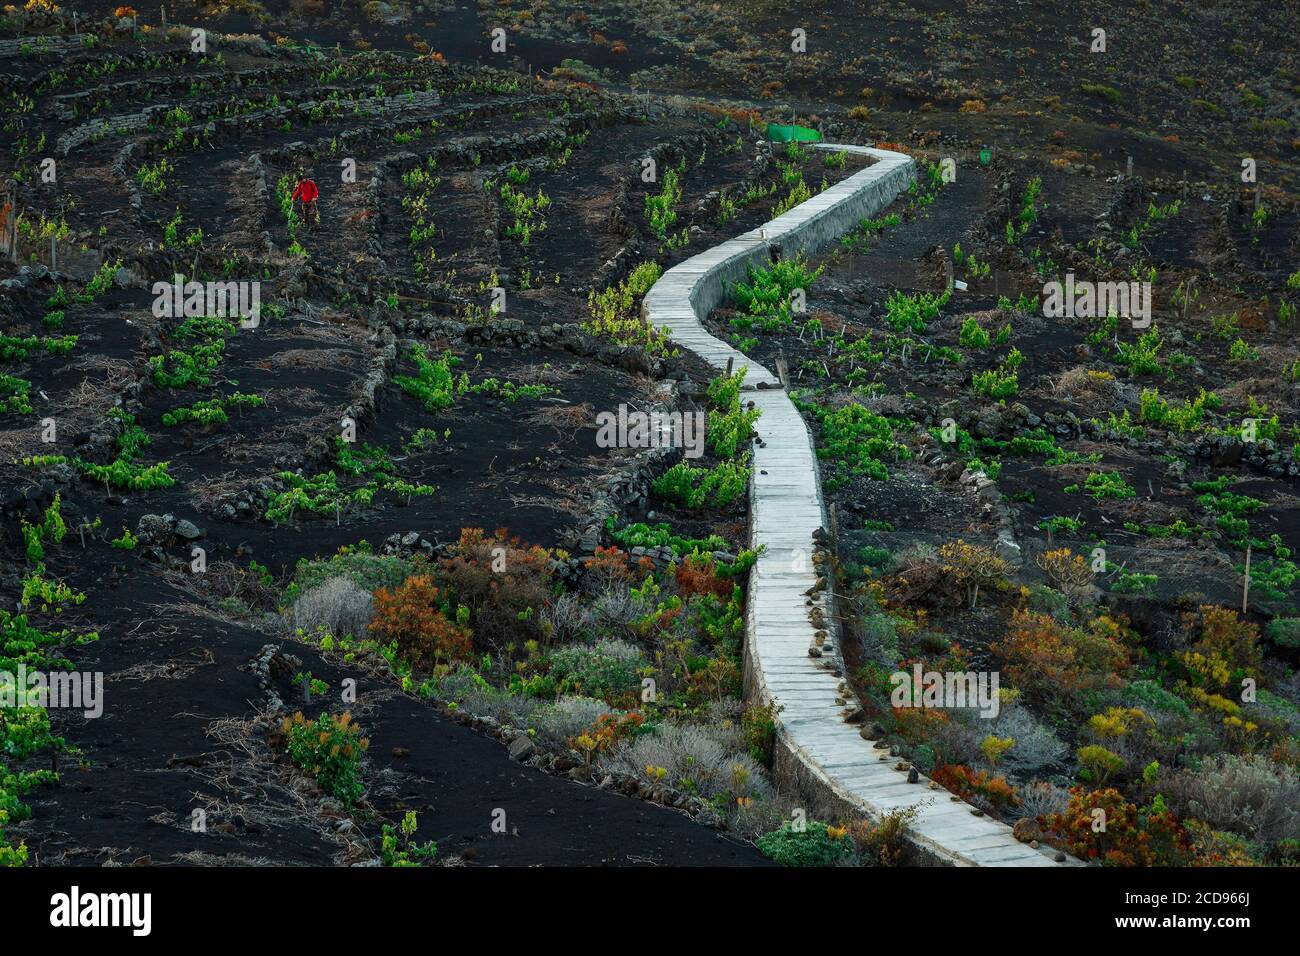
[
  {"x": 359, "y": 564},
  {"x": 1284, "y": 631},
  {"x": 766, "y": 295},
  {"x": 641, "y": 535},
  {"x": 729, "y": 423},
  {"x": 330, "y": 749},
  {"x": 759, "y": 725},
  {"x": 1107, "y": 484},
  {"x": 661, "y": 208},
  {"x": 813, "y": 847},
  {"x": 1149, "y": 695},
  {"x": 398, "y": 846},
  {"x": 875, "y": 556},
  {"x": 910, "y": 313},
  {"x": 124, "y": 471},
  {"x": 613, "y": 314},
  {"x": 1102, "y": 90},
  {"x": 1061, "y": 524},
  {"x": 1143, "y": 356},
  {"x": 182, "y": 368},
  {"x": 210, "y": 411},
  {"x": 1154, "y": 409},
  {"x": 718, "y": 487},
  {"x": 605, "y": 669},
  {"x": 973, "y": 336},
  {"x": 1000, "y": 382},
  {"x": 50, "y": 527},
  {"x": 434, "y": 385},
  {"x": 15, "y": 394},
  {"x": 860, "y": 440},
  {"x": 1135, "y": 582}
]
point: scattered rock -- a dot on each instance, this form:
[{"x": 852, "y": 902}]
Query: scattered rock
[
  {"x": 1027, "y": 830},
  {"x": 151, "y": 528},
  {"x": 522, "y": 747}
]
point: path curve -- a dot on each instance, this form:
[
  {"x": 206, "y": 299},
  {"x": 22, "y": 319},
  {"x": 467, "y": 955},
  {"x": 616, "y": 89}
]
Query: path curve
[{"x": 824, "y": 758}]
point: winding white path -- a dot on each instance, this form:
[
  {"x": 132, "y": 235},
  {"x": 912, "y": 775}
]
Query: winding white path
[{"x": 826, "y": 757}]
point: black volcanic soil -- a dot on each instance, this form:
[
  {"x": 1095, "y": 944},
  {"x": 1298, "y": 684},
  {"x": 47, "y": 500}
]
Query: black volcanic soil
[
  {"x": 176, "y": 736},
  {"x": 578, "y": 99}
]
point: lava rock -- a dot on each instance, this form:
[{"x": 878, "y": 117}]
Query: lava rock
[
  {"x": 1027, "y": 830},
  {"x": 522, "y": 747}
]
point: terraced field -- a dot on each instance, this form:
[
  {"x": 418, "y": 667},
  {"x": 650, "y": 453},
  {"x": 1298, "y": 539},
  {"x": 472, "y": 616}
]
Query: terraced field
[
  {"x": 333, "y": 473},
  {"x": 422, "y": 359}
]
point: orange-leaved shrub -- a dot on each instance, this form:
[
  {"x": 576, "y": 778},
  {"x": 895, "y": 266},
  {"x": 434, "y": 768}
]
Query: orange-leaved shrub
[
  {"x": 412, "y": 614},
  {"x": 1120, "y": 834},
  {"x": 1224, "y": 637},
  {"x": 605, "y": 733},
  {"x": 968, "y": 783},
  {"x": 614, "y": 566},
  {"x": 1053, "y": 663},
  {"x": 916, "y": 725},
  {"x": 697, "y": 574}
]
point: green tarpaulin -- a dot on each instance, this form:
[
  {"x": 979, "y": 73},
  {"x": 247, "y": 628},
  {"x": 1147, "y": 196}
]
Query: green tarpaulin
[{"x": 784, "y": 134}]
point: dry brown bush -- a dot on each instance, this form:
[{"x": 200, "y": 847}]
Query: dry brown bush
[
  {"x": 1069, "y": 573},
  {"x": 1086, "y": 387},
  {"x": 339, "y": 606}
]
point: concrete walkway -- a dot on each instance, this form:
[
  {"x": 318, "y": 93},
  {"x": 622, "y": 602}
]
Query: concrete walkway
[{"x": 832, "y": 761}]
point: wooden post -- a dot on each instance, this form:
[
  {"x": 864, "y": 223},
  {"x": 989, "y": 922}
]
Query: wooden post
[
  {"x": 54, "y": 254},
  {"x": 13, "y": 232},
  {"x": 1245, "y": 582}
]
